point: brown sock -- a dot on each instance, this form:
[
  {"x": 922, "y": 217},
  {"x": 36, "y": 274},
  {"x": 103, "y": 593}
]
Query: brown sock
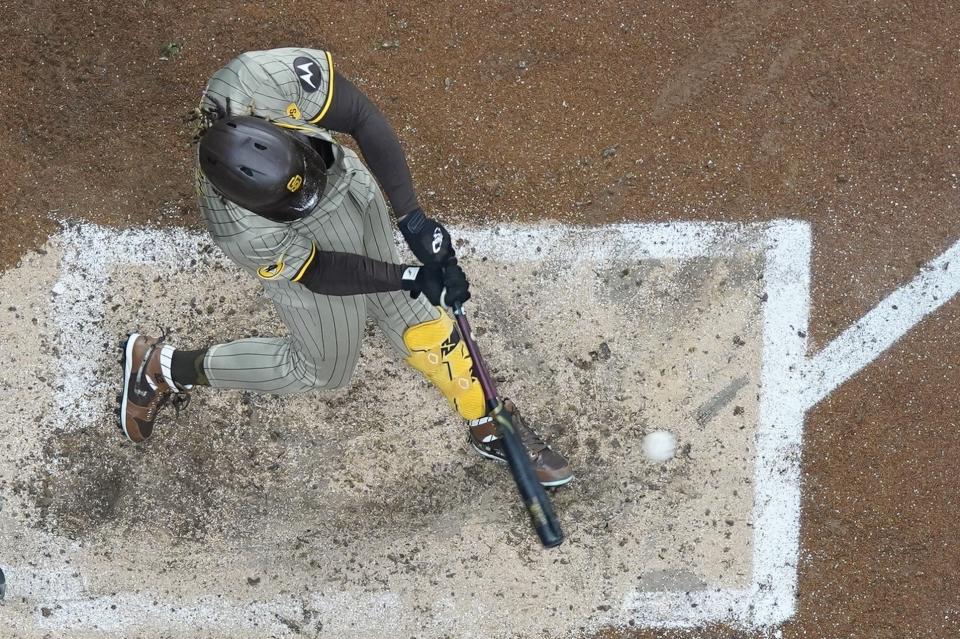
[{"x": 186, "y": 367}]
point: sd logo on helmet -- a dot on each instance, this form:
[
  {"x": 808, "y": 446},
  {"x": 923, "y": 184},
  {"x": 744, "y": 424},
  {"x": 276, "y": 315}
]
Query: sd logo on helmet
[{"x": 263, "y": 168}]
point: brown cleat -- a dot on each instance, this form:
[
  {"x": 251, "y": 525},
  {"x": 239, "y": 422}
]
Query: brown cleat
[
  {"x": 551, "y": 467},
  {"x": 145, "y": 391}
]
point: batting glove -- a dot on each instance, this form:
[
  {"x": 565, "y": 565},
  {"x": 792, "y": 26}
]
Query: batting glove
[
  {"x": 442, "y": 286},
  {"x": 426, "y": 280},
  {"x": 426, "y": 237},
  {"x": 455, "y": 281}
]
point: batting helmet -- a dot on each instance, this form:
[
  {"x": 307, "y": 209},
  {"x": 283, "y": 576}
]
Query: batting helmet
[{"x": 262, "y": 167}]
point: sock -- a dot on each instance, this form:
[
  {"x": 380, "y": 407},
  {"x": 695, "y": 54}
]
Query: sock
[{"x": 186, "y": 367}]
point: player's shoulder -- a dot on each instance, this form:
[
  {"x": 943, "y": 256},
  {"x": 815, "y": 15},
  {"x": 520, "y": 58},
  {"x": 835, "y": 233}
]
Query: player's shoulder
[
  {"x": 228, "y": 221},
  {"x": 292, "y": 81},
  {"x": 311, "y": 68},
  {"x": 285, "y": 54}
]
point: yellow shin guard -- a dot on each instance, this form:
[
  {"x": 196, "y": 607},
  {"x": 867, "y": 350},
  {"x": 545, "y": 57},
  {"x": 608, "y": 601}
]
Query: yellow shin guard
[{"x": 437, "y": 351}]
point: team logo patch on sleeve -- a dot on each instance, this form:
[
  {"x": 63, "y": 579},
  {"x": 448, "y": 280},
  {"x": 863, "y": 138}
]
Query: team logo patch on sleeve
[
  {"x": 272, "y": 271},
  {"x": 308, "y": 72},
  {"x": 293, "y": 111}
]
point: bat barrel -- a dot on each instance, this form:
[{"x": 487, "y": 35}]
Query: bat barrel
[{"x": 532, "y": 493}]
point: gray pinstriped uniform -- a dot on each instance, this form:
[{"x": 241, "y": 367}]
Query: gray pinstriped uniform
[{"x": 325, "y": 332}]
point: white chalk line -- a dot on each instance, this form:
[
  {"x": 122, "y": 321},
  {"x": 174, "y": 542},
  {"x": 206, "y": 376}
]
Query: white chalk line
[
  {"x": 668, "y": 240},
  {"x": 883, "y": 326},
  {"x": 776, "y": 509},
  {"x": 792, "y": 383}
]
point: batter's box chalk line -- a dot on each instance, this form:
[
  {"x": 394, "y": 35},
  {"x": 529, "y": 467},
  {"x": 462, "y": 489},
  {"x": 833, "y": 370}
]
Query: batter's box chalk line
[{"x": 792, "y": 381}]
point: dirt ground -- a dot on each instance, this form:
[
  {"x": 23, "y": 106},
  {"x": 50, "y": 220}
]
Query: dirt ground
[
  {"x": 839, "y": 113},
  {"x": 365, "y": 491}
]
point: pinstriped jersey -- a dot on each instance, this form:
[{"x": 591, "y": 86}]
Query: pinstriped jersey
[
  {"x": 290, "y": 82},
  {"x": 278, "y": 253},
  {"x": 289, "y": 87}
]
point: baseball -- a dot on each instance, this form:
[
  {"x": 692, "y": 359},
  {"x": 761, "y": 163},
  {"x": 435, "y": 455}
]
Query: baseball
[{"x": 659, "y": 446}]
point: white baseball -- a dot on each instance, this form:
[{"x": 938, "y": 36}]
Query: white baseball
[{"x": 660, "y": 446}]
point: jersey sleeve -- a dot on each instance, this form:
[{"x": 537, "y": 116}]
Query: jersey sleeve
[
  {"x": 289, "y": 83},
  {"x": 283, "y": 254}
]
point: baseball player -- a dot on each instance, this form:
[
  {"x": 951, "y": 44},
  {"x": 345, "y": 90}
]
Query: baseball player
[{"x": 301, "y": 213}]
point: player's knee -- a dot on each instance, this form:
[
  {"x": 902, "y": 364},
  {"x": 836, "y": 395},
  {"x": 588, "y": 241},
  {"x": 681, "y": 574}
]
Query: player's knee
[
  {"x": 437, "y": 351},
  {"x": 306, "y": 380},
  {"x": 308, "y": 375}
]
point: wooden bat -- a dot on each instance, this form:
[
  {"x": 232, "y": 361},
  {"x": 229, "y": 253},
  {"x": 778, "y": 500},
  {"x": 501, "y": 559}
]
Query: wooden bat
[{"x": 534, "y": 497}]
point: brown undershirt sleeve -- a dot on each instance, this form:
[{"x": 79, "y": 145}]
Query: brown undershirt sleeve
[
  {"x": 351, "y": 112},
  {"x": 332, "y": 273}
]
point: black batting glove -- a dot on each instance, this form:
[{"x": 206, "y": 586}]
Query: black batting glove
[
  {"x": 426, "y": 237},
  {"x": 426, "y": 280},
  {"x": 442, "y": 286},
  {"x": 455, "y": 281}
]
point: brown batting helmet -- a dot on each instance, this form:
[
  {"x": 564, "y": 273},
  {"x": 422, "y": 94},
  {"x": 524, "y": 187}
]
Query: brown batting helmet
[{"x": 262, "y": 167}]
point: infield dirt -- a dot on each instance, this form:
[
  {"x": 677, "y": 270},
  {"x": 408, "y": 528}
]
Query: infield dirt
[
  {"x": 329, "y": 505},
  {"x": 839, "y": 113}
]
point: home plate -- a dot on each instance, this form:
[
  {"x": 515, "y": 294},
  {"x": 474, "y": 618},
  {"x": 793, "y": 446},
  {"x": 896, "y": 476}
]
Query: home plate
[{"x": 362, "y": 511}]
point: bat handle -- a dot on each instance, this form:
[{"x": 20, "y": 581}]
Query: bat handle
[{"x": 480, "y": 367}]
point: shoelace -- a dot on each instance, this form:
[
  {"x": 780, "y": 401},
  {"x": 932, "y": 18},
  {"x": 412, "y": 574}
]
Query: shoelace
[
  {"x": 156, "y": 404},
  {"x": 180, "y": 401},
  {"x": 530, "y": 438}
]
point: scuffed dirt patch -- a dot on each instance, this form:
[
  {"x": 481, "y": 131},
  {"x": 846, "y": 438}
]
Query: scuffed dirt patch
[{"x": 372, "y": 489}]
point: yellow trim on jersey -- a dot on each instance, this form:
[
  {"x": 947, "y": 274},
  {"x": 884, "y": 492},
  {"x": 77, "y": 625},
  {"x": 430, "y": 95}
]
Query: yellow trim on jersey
[
  {"x": 326, "y": 105},
  {"x": 303, "y": 269},
  {"x": 295, "y": 127}
]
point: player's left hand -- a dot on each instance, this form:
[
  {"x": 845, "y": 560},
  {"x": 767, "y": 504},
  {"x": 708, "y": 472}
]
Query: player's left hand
[
  {"x": 427, "y": 238},
  {"x": 456, "y": 284},
  {"x": 442, "y": 286},
  {"x": 426, "y": 280}
]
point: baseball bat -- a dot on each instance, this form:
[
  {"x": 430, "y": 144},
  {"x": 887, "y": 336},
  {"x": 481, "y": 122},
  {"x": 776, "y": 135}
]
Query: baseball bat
[{"x": 532, "y": 493}]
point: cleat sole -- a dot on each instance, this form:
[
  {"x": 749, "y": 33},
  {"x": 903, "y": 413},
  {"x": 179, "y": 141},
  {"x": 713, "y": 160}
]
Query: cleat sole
[{"x": 127, "y": 357}]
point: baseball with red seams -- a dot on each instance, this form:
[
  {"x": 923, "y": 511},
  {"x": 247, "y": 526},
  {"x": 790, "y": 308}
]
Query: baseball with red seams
[{"x": 659, "y": 446}]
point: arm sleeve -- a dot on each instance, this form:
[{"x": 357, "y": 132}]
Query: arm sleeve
[
  {"x": 332, "y": 273},
  {"x": 351, "y": 112}
]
